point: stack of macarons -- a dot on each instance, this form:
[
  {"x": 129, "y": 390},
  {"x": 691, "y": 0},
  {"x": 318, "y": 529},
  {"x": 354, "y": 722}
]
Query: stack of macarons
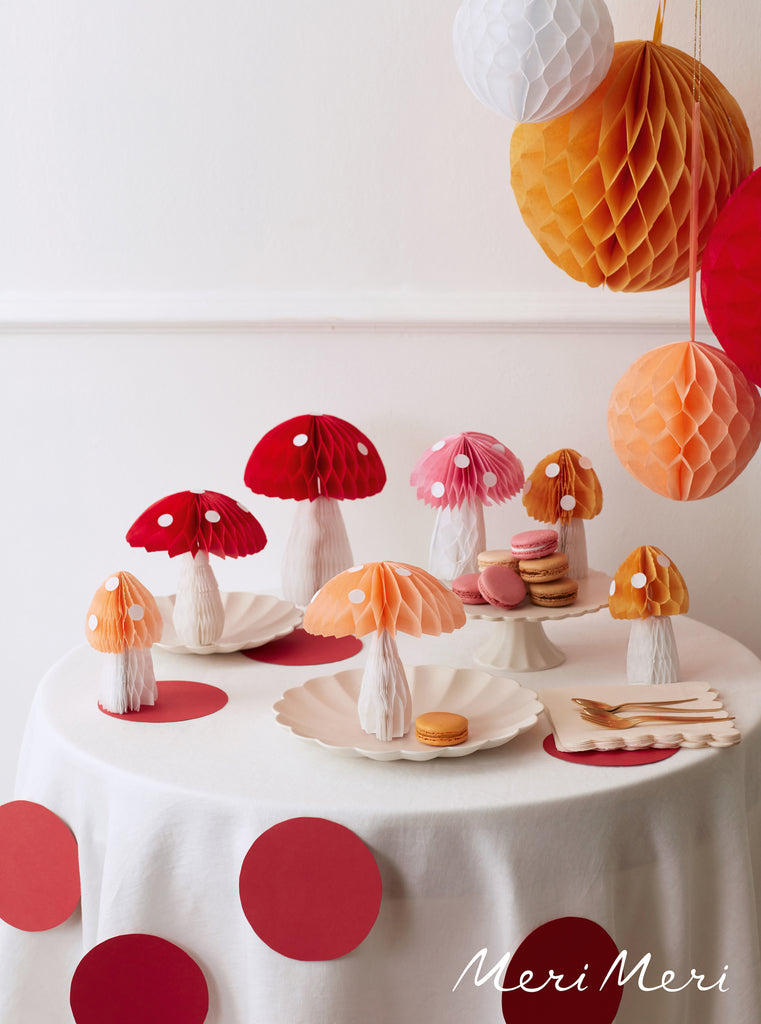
[{"x": 543, "y": 568}]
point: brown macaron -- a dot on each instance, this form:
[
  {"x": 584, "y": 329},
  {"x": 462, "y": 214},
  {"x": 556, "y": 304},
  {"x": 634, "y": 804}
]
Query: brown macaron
[
  {"x": 542, "y": 570},
  {"x": 441, "y": 728},
  {"x": 554, "y": 594}
]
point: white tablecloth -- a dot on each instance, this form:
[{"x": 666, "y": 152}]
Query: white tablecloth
[{"x": 474, "y": 852}]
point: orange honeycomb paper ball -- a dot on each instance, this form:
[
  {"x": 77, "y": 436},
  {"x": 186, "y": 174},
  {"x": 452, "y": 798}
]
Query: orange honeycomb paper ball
[
  {"x": 605, "y": 189},
  {"x": 684, "y": 420}
]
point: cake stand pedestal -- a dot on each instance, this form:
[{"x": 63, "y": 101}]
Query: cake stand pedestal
[{"x": 517, "y": 640}]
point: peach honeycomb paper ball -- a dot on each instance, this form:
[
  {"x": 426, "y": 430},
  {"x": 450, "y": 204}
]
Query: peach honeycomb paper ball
[
  {"x": 684, "y": 420},
  {"x": 531, "y": 60},
  {"x": 605, "y": 189}
]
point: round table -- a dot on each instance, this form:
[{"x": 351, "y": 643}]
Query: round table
[{"x": 474, "y": 852}]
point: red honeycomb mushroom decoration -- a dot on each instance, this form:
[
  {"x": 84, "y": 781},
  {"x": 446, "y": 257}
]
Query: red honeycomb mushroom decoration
[{"x": 316, "y": 461}]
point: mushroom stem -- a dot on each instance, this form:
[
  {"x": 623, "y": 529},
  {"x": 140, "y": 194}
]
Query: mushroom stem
[
  {"x": 127, "y": 681},
  {"x": 458, "y": 535},
  {"x": 572, "y": 541},
  {"x": 652, "y": 656},
  {"x": 317, "y": 549},
  {"x": 385, "y": 701},
  {"x": 199, "y": 615}
]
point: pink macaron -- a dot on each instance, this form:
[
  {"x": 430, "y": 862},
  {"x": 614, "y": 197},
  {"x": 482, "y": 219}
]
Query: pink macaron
[
  {"x": 466, "y": 588},
  {"x": 502, "y": 586},
  {"x": 534, "y": 543}
]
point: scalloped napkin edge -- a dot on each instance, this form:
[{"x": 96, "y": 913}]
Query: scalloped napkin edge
[{"x": 573, "y": 734}]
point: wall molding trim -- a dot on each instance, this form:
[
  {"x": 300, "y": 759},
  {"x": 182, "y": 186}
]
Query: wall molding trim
[{"x": 586, "y": 310}]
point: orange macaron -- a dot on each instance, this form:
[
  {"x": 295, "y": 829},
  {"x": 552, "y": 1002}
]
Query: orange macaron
[{"x": 441, "y": 728}]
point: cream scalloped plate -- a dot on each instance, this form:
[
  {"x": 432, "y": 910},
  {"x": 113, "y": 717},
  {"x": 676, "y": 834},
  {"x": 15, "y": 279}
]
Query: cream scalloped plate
[
  {"x": 250, "y": 621},
  {"x": 324, "y": 711}
]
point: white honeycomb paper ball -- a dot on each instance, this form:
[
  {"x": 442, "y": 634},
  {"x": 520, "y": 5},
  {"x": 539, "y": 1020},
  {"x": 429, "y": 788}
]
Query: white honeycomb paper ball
[{"x": 532, "y": 60}]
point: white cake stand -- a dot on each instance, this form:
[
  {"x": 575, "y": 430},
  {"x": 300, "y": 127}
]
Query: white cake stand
[{"x": 517, "y": 641}]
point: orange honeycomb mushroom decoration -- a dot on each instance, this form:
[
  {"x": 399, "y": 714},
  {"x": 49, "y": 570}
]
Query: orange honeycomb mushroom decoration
[
  {"x": 564, "y": 488},
  {"x": 684, "y": 420},
  {"x": 648, "y": 588},
  {"x": 384, "y": 598},
  {"x": 123, "y": 621},
  {"x": 605, "y": 189}
]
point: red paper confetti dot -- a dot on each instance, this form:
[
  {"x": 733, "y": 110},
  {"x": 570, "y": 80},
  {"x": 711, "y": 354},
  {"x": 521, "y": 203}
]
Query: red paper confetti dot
[
  {"x": 138, "y": 979},
  {"x": 310, "y": 889},
  {"x": 582, "y": 953},
  {"x": 39, "y": 867},
  {"x": 609, "y": 758},
  {"x": 179, "y": 700},
  {"x": 302, "y": 648}
]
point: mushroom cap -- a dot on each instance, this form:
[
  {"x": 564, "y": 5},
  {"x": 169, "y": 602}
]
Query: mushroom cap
[
  {"x": 647, "y": 583},
  {"x": 198, "y": 521},
  {"x": 384, "y": 595},
  {"x": 563, "y": 486},
  {"x": 315, "y": 457},
  {"x": 463, "y": 467},
  {"x": 122, "y": 613}
]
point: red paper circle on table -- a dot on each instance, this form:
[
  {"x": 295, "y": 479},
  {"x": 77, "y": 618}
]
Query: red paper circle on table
[
  {"x": 179, "y": 700},
  {"x": 609, "y": 758},
  {"x": 579, "y": 950},
  {"x": 138, "y": 978},
  {"x": 310, "y": 889},
  {"x": 730, "y": 277},
  {"x": 39, "y": 867},
  {"x": 302, "y": 648}
]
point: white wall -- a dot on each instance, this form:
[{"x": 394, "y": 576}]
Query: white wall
[{"x": 216, "y": 216}]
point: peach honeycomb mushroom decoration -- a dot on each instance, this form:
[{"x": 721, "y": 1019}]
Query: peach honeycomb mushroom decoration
[
  {"x": 684, "y": 420},
  {"x": 123, "y": 621},
  {"x": 605, "y": 189},
  {"x": 384, "y": 598},
  {"x": 648, "y": 589},
  {"x": 458, "y": 475},
  {"x": 564, "y": 489}
]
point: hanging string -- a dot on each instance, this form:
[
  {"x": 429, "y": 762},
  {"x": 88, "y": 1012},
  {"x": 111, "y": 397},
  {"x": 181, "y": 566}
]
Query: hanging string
[{"x": 695, "y": 161}]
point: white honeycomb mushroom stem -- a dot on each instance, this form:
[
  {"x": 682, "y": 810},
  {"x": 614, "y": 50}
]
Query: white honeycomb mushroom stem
[
  {"x": 652, "y": 655},
  {"x": 385, "y": 701},
  {"x": 199, "y": 615},
  {"x": 317, "y": 549},
  {"x": 458, "y": 536},
  {"x": 127, "y": 681},
  {"x": 572, "y": 541}
]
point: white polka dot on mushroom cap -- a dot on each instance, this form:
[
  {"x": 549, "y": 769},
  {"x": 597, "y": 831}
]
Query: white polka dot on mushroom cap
[
  {"x": 136, "y": 612},
  {"x": 437, "y": 489},
  {"x": 243, "y": 508},
  {"x": 552, "y": 469},
  {"x": 165, "y": 519},
  {"x": 200, "y": 490},
  {"x": 612, "y": 588},
  {"x": 489, "y": 479},
  {"x": 362, "y": 448},
  {"x": 585, "y": 463},
  {"x": 356, "y": 596},
  {"x": 499, "y": 448},
  {"x": 92, "y": 622},
  {"x": 461, "y": 461},
  {"x": 568, "y": 502},
  {"x": 211, "y": 515},
  {"x": 112, "y": 583},
  {"x": 663, "y": 561},
  {"x": 355, "y": 568},
  {"x": 437, "y": 447},
  {"x": 638, "y": 580},
  {"x": 400, "y": 570},
  {"x": 300, "y": 440}
]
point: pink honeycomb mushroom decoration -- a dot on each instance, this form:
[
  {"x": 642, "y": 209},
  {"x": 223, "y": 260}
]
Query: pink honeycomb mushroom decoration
[{"x": 458, "y": 476}]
